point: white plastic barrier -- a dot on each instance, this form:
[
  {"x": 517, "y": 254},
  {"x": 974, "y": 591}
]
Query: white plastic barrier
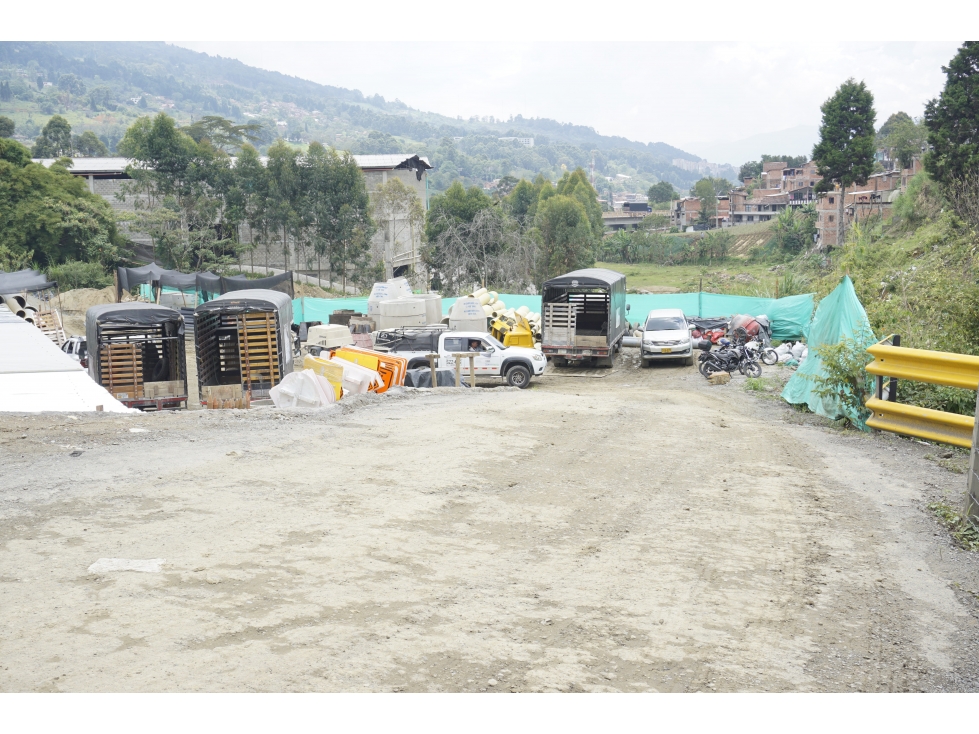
[{"x": 303, "y": 389}]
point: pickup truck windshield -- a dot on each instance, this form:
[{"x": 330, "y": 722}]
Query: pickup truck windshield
[{"x": 666, "y": 323}]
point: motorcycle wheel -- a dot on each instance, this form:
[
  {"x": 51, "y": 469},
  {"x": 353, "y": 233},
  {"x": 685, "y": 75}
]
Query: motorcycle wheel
[
  {"x": 751, "y": 369},
  {"x": 710, "y": 368},
  {"x": 702, "y": 366},
  {"x": 769, "y": 356}
]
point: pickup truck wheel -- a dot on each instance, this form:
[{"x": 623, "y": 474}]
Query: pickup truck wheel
[
  {"x": 418, "y": 364},
  {"x": 518, "y": 376}
]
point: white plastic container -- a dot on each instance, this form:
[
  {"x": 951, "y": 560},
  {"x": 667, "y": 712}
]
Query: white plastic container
[
  {"x": 330, "y": 336},
  {"x": 433, "y": 306},
  {"x": 467, "y": 315},
  {"x": 384, "y": 291}
]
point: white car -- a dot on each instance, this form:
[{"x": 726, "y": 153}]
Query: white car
[
  {"x": 75, "y": 348},
  {"x": 666, "y": 335}
]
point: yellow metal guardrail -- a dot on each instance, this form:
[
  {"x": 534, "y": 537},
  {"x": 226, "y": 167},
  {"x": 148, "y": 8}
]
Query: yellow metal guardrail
[
  {"x": 921, "y": 365},
  {"x": 931, "y": 425}
]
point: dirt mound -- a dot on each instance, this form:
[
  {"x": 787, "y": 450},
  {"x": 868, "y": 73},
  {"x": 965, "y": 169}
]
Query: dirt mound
[
  {"x": 308, "y": 290},
  {"x": 82, "y": 299}
]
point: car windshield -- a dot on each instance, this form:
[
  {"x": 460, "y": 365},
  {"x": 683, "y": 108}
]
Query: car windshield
[
  {"x": 493, "y": 341},
  {"x": 666, "y": 323}
]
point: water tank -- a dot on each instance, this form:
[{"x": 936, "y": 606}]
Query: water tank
[{"x": 467, "y": 315}]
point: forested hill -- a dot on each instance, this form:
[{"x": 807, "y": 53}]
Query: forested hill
[{"x": 104, "y": 87}]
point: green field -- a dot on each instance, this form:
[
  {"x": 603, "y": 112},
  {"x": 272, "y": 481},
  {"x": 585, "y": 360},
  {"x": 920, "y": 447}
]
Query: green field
[{"x": 728, "y": 276}]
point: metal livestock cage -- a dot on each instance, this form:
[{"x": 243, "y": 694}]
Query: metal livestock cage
[
  {"x": 137, "y": 353},
  {"x": 244, "y": 342}
]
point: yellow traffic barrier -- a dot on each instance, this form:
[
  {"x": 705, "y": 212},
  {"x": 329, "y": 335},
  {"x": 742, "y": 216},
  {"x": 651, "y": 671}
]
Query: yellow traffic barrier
[
  {"x": 924, "y": 423},
  {"x": 922, "y": 365}
]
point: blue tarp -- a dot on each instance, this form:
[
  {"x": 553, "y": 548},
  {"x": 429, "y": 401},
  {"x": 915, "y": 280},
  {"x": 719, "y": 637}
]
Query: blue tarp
[{"x": 789, "y": 316}]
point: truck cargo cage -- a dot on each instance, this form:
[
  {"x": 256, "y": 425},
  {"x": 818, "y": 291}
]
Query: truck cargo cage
[
  {"x": 244, "y": 338},
  {"x": 137, "y": 353},
  {"x": 584, "y": 314}
]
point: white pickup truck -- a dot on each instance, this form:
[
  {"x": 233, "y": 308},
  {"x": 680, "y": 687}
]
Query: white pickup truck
[{"x": 516, "y": 365}]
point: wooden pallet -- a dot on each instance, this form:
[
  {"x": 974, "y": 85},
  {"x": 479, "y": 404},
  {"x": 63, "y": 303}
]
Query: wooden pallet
[
  {"x": 258, "y": 349},
  {"x": 49, "y": 322},
  {"x": 121, "y": 370}
]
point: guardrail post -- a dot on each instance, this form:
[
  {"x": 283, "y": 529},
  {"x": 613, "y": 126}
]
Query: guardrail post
[
  {"x": 892, "y": 381},
  {"x": 972, "y": 490}
]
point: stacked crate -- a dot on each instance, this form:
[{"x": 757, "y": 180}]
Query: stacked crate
[
  {"x": 122, "y": 370},
  {"x": 258, "y": 349}
]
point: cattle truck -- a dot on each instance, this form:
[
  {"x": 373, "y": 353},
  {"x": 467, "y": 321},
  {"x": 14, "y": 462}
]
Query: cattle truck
[{"x": 584, "y": 316}]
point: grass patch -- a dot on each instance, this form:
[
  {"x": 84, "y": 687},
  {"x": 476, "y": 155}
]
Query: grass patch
[
  {"x": 759, "y": 384},
  {"x": 727, "y": 276},
  {"x": 961, "y": 529}
]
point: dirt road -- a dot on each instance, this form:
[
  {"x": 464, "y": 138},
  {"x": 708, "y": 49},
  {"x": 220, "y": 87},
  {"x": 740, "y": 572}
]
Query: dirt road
[{"x": 637, "y": 531}]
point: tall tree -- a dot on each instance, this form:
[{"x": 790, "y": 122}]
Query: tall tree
[
  {"x": 457, "y": 204},
  {"x": 704, "y": 190},
  {"x": 336, "y": 205},
  {"x": 54, "y": 140},
  {"x": 6, "y": 127},
  {"x": 186, "y": 180},
  {"x": 88, "y": 145},
  {"x": 50, "y": 214},
  {"x": 906, "y": 138},
  {"x": 283, "y": 192},
  {"x": 953, "y": 119},
  {"x": 662, "y": 192},
  {"x": 222, "y": 133},
  {"x": 567, "y": 240},
  {"x": 844, "y": 154},
  {"x": 575, "y": 185}
]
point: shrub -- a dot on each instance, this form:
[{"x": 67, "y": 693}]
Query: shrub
[
  {"x": 846, "y": 378},
  {"x": 75, "y": 274}
]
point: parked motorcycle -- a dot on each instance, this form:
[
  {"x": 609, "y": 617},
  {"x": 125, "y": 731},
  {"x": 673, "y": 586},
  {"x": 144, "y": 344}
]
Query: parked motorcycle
[
  {"x": 759, "y": 352},
  {"x": 728, "y": 359}
]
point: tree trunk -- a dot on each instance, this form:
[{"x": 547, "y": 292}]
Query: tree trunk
[{"x": 841, "y": 223}]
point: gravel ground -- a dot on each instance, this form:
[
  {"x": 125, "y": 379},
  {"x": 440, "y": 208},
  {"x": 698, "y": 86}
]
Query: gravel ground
[{"x": 627, "y": 529}]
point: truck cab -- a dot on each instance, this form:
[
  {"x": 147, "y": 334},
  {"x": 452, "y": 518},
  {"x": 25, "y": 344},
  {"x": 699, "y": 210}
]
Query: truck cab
[{"x": 516, "y": 365}]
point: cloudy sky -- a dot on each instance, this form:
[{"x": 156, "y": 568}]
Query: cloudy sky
[{"x": 727, "y": 102}]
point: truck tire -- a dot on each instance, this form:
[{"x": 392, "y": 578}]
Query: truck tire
[
  {"x": 417, "y": 364},
  {"x": 518, "y": 376}
]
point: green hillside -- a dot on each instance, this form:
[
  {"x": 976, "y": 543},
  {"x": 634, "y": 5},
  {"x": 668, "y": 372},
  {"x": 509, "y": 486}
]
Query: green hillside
[{"x": 103, "y": 87}]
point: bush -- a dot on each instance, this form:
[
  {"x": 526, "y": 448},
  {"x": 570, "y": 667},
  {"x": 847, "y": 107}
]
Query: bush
[
  {"x": 75, "y": 274},
  {"x": 846, "y": 379}
]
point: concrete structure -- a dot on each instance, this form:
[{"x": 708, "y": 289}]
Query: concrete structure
[
  {"x": 526, "y": 142},
  {"x": 399, "y": 248}
]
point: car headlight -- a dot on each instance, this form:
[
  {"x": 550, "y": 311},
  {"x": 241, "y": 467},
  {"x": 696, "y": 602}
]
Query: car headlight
[{"x": 539, "y": 358}]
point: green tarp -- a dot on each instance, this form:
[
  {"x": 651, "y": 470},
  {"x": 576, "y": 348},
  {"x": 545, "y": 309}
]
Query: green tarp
[
  {"x": 789, "y": 316},
  {"x": 840, "y": 316}
]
